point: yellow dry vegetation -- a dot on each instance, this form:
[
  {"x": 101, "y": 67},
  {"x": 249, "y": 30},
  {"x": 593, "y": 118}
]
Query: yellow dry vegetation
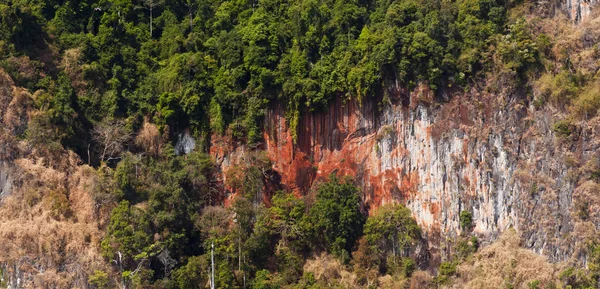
[
  {"x": 504, "y": 264},
  {"x": 149, "y": 138},
  {"x": 570, "y": 79},
  {"x": 329, "y": 270},
  {"x": 331, "y": 273},
  {"x": 15, "y": 105},
  {"x": 71, "y": 64},
  {"x": 48, "y": 233}
]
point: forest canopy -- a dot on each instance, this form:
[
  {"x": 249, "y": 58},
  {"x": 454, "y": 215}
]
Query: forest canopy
[{"x": 214, "y": 66}]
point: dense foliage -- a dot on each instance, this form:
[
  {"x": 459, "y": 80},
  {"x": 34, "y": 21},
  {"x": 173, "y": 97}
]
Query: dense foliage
[
  {"x": 166, "y": 221},
  {"x": 117, "y": 81},
  {"x": 214, "y": 66}
]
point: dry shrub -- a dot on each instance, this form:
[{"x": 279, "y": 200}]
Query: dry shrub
[
  {"x": 72, "y": 65},
  {"x": 112, "y": 136},
  {"x": 8, "y": 146},
  {"x": 149, "y": 138},
  {"x": 41, "y": 250},
  {"x": 23, "y": 68},
  {"x": 571, "y": 64},
  {"x": 58, "y": 205},
  {"x": 421, "y": 280},
  {"x": 43, "y": 141},
  {"x": 391, "y": 282},
  {"x": 556, "y": 89},
  {"x": 505, "y": 262},
  {"x": 330, "y": 271},
  {"x": 6, "y": 88},
  {"x": 102, "y": 187},
  {"x": 586, "y": 202},
  {"x": 587, "y": 103},
  {"x": 17, "y": 113}
]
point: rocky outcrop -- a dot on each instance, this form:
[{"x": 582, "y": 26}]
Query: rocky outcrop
[
  {"x": 5, "y": 180},
  {"x": 495, "y": 157},
  {"x": 579, "y": 10},
  {"x": 185, "y": 143}
]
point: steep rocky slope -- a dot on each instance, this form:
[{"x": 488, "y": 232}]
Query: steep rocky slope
[
  {"x": 49, "y": 225},
  {"x": 492, "y": 151},
  {"x": 494, "y": 156},
  {"x": 579, "y": 10},
  {"x": 489, "y": 150}
]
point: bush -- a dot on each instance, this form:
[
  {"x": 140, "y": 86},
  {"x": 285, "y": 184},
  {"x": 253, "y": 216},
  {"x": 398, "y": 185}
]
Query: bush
[
  {"x": 577, "y": 278},
  {"x": 336, "y": 218},
  {"x": 559, "y": 88},
  {"x": 99, "y": 280},
  {"x": 517, "y": 49},
  {"x": 393, "y": 233},
  {"x": 59, "y": 205},
  {"x": 563, "y": 128},
  {"x": 466, "y": 220},
  {"x": 264, "y": 280},
  {"x": 586, "y": 105},
  {"x": 465, "y": 248},
  {"x": 445, "y": 272},
  {"x": 535, "y": 284},
  {"x": 193, "y": 274}
]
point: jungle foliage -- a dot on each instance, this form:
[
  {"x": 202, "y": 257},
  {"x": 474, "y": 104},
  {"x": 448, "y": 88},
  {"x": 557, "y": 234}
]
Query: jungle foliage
[
  {"x": 117, "y": 81},
  {"x": 215, "y": 66}
]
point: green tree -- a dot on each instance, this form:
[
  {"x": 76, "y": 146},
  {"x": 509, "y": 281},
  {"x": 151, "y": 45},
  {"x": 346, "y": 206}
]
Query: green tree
[
  {"x": 392, "y": 232},
  {"x": 99, "y": 280},
  {"x": 336, "y": 217},
  {"x": 466, "y": 220},
  {"x": 128, "y": 236},
  {"x": 264, "y": 280},
  {"x": 194, "y": 274}
]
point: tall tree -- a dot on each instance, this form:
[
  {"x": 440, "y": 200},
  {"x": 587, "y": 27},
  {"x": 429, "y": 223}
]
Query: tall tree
[{"x": 150, "y": 5}]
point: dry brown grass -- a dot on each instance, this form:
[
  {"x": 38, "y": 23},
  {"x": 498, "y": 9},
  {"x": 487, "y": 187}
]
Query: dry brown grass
[
  {"x": 42, "y": 250},
  {"x": 505, "y": 262},
  {"x": 574, "y": 52},
  {"x": 149, "y": 138},
  {"x": 8, "y": 145},
  {"x": 330, "y": 271},
  {"x": 393, "y": 282},
  {"x": 421, "y": 280},
  {"x": 6, "y": 88},
  {"x": 18, "y": 111},
  {"x": 72, "y": 65}
]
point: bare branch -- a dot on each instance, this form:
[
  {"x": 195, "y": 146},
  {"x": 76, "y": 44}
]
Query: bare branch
[{"x": 111, "y": 135}]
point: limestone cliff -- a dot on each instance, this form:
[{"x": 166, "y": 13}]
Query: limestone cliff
[
  {"x": 579, "y": 10},
  {"x": 494, "y": 156}
]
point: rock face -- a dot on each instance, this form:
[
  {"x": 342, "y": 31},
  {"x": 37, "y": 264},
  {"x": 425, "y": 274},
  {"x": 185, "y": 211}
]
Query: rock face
[
  {"x": 494, "y": 157},
  {"x": 185, "y": 143},
  {"x": 5, "y": 180},
  {"x": 579, "y": 10}
]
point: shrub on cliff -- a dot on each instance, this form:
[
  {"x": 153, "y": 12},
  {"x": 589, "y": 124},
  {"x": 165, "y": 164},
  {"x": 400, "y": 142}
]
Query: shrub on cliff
[
  {"x": 517, "y": 49},
  {"x": 466, "y": 220}
]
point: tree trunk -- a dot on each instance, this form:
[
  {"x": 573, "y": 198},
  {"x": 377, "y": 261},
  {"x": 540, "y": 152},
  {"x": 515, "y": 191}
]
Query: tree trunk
[{"x": 191, "y": 19}]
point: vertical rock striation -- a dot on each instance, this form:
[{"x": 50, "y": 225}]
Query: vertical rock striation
[
  {"x": 5, "y": 180},
  {"x": 579, "y": 10},
  {"x": 494, "y": 157}
]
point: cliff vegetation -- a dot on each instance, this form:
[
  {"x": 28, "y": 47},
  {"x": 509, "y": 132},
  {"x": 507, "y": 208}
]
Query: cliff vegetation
[{"x": 137, "y": 145}]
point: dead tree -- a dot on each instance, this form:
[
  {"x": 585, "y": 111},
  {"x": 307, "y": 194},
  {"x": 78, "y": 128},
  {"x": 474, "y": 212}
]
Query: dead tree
[{"x": 111, "y": 136}]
